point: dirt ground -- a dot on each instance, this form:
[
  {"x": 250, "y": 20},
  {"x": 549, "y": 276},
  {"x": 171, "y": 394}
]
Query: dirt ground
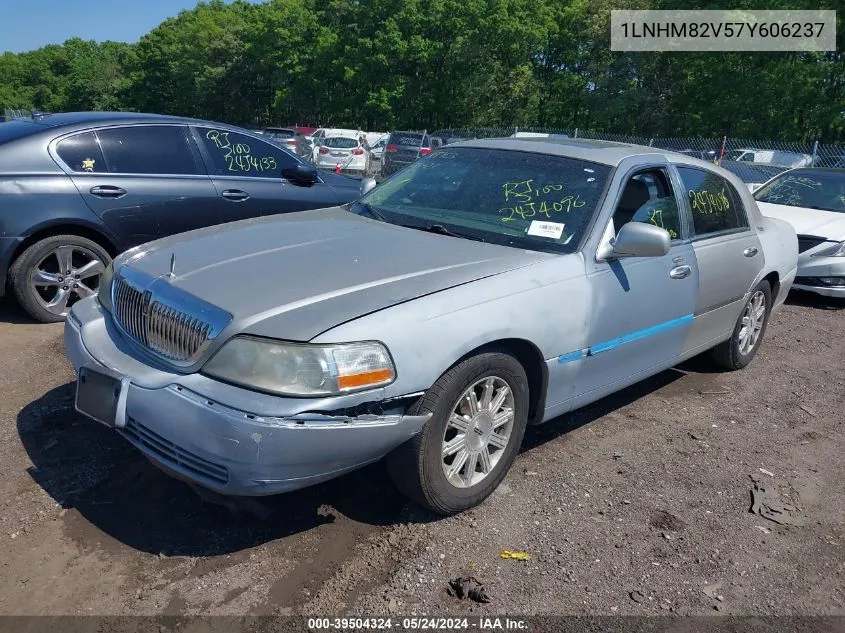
[{"x": 638, "y": 504}]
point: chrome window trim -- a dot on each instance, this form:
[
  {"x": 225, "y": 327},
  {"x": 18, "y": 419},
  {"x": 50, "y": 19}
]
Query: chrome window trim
[{"x": 52, "y": 149}]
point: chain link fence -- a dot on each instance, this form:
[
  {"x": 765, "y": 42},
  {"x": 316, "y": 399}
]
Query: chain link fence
[{"x": 753, "y": 160}]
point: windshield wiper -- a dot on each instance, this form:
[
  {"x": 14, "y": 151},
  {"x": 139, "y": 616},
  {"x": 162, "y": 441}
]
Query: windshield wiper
[
  {"x": 442, "y": 230},
  {"x": 378, "y": 215}
]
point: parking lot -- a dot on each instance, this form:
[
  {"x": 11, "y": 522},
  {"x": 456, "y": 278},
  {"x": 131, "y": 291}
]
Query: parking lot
[{"x": 638, "y": 504}]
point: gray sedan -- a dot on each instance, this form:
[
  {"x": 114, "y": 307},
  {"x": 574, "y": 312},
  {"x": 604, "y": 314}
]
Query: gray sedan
[{"x": 491, "y": 285}]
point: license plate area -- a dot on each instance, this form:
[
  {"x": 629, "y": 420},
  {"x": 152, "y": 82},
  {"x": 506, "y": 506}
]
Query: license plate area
[{"x": 101, "y": 395}]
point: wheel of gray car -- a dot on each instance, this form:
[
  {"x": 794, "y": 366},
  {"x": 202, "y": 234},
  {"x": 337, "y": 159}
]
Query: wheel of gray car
[
  {"x": 740, "y": 349},
  {"x": 479, "y": 410},
  {"x": 51, "y": 275}
]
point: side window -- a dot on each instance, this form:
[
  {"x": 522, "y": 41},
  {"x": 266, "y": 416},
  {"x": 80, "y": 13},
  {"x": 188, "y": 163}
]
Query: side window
[
  {"x": 147, "y": 149},
  {"x": 648, "y": 197},
  {"x": 715, "y": 205},
  {"x": 234, "y": 154},
  {"x": 82, "y": 153}
]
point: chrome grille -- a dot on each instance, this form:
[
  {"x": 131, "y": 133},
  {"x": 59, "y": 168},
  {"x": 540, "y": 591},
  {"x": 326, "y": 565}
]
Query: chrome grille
[{"x": 164, "y": 319}]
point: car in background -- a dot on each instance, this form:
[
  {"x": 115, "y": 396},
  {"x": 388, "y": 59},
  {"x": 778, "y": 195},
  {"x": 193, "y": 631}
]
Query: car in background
[
  {"x": 402, "y": 149},
  {"x": 752, "y": 174},
  {"x": 709, "y": 155},
  {"x": 769, "y": 157},
  {"x": 284, "y": 136},
  {"x": 79, "y": 188},
  {"x": 307, "y": 148},
  {"x": 342, "y": 153},
  {"x": 812, "y": 200},
  {"x": 377, "y": 150},
  {"x": 501, "y": 283}
]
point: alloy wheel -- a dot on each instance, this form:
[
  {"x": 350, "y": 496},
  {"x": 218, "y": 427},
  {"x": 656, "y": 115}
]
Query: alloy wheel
[
  {"x": 752, "y": 322},
  {"x": 65, "y": 275},
  {"x": 478, "y": 432}
]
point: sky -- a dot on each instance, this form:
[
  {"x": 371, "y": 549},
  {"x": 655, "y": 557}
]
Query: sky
[{"x": 30, "y": 24}]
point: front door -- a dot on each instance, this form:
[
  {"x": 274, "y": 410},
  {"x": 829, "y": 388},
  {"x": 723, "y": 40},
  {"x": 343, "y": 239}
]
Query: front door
[
  {"x": 642, "y": 308},
  {"x": 247, "y": 175}
]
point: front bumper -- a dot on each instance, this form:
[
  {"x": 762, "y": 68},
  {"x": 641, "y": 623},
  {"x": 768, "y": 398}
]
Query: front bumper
[
  {"x": 171, "y": 419},
  {"x": 812, "y": 271}
]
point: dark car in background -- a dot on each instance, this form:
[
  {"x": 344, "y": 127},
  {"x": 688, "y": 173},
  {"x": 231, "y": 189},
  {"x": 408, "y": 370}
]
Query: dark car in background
[
  {"x": 402, "y": 149},
  {"x": 284, "y": 136},
  {"x": 78, "y": 188}
]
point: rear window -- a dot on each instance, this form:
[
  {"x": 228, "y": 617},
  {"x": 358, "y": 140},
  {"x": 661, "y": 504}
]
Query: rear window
[
  {"x": 339, "y": 142},
  {"x": 12, "y": 130},
  {"x": 279, "y": 134},
  {"x": 405, "y": 138},
  {"x": 82, "y": 153}
]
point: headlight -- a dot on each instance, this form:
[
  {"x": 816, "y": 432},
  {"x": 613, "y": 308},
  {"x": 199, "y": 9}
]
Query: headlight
[
  {"x": 297, "y": 369},
  {"x": 837, "y": 250},
  {"x": 104, "y": 289}
]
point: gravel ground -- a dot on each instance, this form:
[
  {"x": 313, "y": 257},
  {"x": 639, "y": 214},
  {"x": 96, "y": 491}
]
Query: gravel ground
[{"x": 638, "y": 504}]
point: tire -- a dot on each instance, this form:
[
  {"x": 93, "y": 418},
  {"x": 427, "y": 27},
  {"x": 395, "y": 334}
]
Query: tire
[
  {"x": 41, "y": 262},
  {"x": 418, "y": 467},
  {"x": 733, "y": 354}
]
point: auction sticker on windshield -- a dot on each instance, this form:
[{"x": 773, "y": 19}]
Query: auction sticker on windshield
[{"x": 546, "y": 229}]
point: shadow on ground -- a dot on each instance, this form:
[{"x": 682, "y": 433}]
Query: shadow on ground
[
  {"x": 813, "y": 300},
  {"x": 11, "y": 312}
]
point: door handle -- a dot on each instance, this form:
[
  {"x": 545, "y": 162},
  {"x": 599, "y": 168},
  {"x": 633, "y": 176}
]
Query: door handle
[
  {"x": 679, "y": 272},
  {"x": 107, "y": 191},
  {"x": 235, "y": 195},
  {"x": 751, "y": 251}
]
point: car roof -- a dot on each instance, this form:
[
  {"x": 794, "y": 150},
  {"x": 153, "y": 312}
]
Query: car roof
[
  {"x": 605, "y": 152},
  {"x": 77, "y": 118}
]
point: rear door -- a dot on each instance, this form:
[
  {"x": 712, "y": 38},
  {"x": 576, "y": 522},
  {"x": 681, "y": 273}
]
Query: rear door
[
  {"x": 247, "y": 176},
  {"x": 144, "y": 181},
  {"x": 728, "y": 252}
]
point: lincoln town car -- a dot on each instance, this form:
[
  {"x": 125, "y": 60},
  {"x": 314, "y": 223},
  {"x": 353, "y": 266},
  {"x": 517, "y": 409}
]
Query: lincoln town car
[{"x": 490, "y": 285}]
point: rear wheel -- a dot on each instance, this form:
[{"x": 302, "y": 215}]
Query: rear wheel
[
  {"x": 479, "y": 410},
  {"x": 740, "y": 349},
  {"x": 54, "y": 273}
]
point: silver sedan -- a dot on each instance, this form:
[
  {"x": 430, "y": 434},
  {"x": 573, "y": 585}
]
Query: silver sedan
[{"x": 491, "y": 285}]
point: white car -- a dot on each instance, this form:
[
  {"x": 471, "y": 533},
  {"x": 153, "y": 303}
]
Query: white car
[
  {"x": 769, "y": 157},
  {"x": 812, "y": 200},
  {"x": 344, "y": 151}
]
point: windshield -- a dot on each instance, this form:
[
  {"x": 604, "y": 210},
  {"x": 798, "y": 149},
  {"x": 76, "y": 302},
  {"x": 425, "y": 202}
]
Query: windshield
[
  {"x": 823, "y": 190},
  {"x": 340, "y": 142},
  {"x": 520, "y": 199}
]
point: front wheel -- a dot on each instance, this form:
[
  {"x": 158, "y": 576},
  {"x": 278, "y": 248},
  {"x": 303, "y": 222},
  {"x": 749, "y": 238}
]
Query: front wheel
[
  {"x": 479, "y": 410},
  {"x": 741, "y": 347}
]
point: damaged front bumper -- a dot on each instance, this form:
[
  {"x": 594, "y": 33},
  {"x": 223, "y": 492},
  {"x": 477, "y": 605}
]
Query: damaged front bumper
[{"x": 198, "y": 432}]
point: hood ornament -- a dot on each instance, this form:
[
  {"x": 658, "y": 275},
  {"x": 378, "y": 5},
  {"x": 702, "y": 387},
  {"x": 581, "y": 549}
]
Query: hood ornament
[{"x": 172, "y": 272}]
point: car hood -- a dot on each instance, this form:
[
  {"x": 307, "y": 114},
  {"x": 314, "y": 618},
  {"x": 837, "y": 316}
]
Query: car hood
[
  {"x": 827, "y": 224},
  {"x": 297, "y": 275}
]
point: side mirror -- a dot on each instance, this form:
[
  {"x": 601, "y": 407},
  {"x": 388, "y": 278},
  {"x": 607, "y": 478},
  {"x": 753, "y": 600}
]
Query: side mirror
[
  {"x": 367, "y": 184},
  {"x": 301, "y": 174},
  {"x": 637, "y": 239}
]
